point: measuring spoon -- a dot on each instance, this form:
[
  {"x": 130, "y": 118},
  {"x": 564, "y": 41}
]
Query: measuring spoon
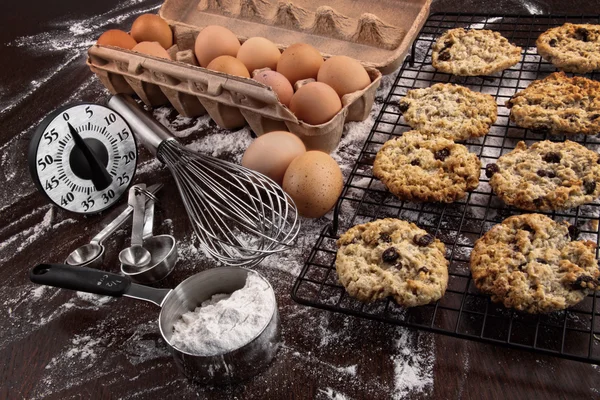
[
  {"x": 136, "y": 255},
  {"x": 92, "y": 254}
]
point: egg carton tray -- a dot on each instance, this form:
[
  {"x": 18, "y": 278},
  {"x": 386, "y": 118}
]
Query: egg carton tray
[
  {"x": 233, "y": 101},
  {"x": 463, "y": 311}
]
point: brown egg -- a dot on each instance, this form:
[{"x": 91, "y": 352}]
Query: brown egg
[
  {"x": 214, "y": 41},
  {"x": 280, "y": 85},
  {"x": 344, "y": 74},
  {"x": 314, "y": 181},
  {"x": 299, "y": 61},
  {"x": 315, "y": 103},
  {"x": 257, "y": 53},
  {"x": 272, "y": 153},
  {"x": 117, "y": 38},
  {"x": 152, "y": 28},
  {"x": 229, "y": 65},
  {"x": 152, "y": 49}
]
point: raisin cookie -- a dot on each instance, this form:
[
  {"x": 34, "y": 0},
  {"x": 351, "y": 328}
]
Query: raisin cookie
[
  {"x": 473, "y": 52},
  {"x": 546, "y": 176},
  {"x": 450, "y": 111},
  {"x": 529, "y": 262},
  {"x": 414, "y": 167},
  {"x": 571, "y": 47},
  {"x": 391, "y": 257},
  {"x": 558, "y": 104}
]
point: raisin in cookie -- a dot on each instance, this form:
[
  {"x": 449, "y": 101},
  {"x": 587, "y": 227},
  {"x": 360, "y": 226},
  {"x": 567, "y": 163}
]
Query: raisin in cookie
[
  {"x": 529, "y": 262},
  {"x": 546, "y": 176},
  {"x": 414, "y": 167},
  {"x": 391, "y": 257},
  {"x": 473, "y": 52},
  {"x": 571, "y": 47},
  {"x": 450, "y": 111},
  {"x": 558, "y": 104}
]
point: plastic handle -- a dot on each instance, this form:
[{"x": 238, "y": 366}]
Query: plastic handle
[
  {"x": 148, "y": 130},
  {"x": 82, "y": 279}
]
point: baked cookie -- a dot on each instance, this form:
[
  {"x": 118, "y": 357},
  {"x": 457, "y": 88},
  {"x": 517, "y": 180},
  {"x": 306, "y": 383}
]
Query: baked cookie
[
  {"x": 414, "y": 167},
  {"x": 473, "y": 52},
  {"x": 450, "y": 111},
  {"x": 546, "y": 176},
  {"x": 391, "y": 257},
  {"x": 558, "y": 104},
  {"x": 571, "y": 47},
  {"x": 529, "y": 262}
]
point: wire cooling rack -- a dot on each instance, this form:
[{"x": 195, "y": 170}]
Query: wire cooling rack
[{"x": 462, "y": 312}]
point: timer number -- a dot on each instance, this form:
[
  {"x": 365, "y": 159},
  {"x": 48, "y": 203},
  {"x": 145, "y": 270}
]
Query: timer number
[
  {"x": 123, "y": 179},
  {"x": 44, "y": 162},
  {"x": 51, "y": 136},
  {"x": 106, "y": 197},
  {"x": 88, "y": 203},
  {"x": 66, "y": 199},
  {"x": 123, "y": 135},
  {"x": 110, "y": 119},
  {"x": 129, "y": 157},
  {"x": 51, "y": 183},
  {"x": 89, "y": 112}
]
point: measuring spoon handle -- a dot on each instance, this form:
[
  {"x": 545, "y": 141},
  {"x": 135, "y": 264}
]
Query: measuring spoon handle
[{"x": 121, "y": 218}]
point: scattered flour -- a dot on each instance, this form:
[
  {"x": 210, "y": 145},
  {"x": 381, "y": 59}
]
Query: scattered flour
[
  {"x": 333, "y": 395},
  {"x": 226, "y": 322},
  {"x": 413, "y": 366}
]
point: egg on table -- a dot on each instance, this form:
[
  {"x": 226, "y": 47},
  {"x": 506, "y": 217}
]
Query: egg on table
[
  {"x": 314, "y": 181},
  {"x": 315, "y": 103},
  {"x": 229, "y": 65},
  {"x": 299, "y": 61},
  {"x": 279, "y": 83},
  {"x": 117, "y": 38},
  {"x": 152, "y": 48},
  {"x": 257, "y": 53},
  {"x": 272, "y": 153},
  {"x": 152, "y": 28},
  {"x": 344, "y": 74},
  {"x": 214, "y": 41}
]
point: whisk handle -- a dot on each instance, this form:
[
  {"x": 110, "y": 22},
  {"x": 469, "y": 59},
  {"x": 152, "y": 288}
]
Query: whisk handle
[{"x": 148, "y": 130}]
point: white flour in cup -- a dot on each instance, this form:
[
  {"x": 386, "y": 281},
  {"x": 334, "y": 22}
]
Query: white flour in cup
[{"x": 225, "y": 322}]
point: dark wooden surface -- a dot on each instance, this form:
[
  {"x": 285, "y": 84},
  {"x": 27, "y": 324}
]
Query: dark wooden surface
[{"x": 54, "y": 344}]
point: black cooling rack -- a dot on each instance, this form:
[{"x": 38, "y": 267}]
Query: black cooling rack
[{"x": 462, "y": 312}]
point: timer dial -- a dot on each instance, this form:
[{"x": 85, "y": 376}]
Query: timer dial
[{"x": 83, "y": 157}]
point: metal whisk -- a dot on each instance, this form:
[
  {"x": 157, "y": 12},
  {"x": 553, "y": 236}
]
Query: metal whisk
[{"x": 240, "y": 216}]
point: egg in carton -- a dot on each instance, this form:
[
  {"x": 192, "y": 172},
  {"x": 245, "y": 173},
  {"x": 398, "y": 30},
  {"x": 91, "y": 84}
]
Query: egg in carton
[{"x": 340, "y": 28}]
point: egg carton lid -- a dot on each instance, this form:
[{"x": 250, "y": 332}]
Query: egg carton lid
[{"x": 379, "y": 38}]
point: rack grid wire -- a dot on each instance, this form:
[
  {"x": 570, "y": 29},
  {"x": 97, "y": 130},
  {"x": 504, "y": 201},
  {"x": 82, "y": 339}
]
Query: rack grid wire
[{"x": 463, "y": 312}]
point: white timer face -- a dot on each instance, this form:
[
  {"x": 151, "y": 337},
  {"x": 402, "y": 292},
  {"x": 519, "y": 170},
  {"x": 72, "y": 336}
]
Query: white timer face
[{"x": 62, "y": 170}]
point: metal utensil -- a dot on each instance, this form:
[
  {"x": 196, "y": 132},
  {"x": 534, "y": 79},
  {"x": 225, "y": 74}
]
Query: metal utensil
[
  {"x": 163, "y": 253},
  {"x": 136, "y": 255},
  {"x": 240, "y": 216},
  {"x": 229, "y": 367},
  {"x": 92, "y": 254}
]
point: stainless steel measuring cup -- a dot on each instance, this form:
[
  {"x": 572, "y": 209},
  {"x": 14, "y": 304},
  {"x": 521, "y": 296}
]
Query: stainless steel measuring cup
[
  {"x": 92, "y": 254},
  {"x": 230, "y": 367}
]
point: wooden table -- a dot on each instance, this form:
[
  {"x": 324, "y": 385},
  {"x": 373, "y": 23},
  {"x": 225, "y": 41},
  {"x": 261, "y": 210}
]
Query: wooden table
[{"x": 58, "y": 344}]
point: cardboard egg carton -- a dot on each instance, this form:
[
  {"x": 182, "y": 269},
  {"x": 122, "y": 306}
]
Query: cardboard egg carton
[{"x": 342, "y": 28}]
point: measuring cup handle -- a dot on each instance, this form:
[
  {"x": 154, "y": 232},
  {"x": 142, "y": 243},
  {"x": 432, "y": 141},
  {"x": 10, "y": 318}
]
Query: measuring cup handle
[{"x": 80, "y": 278}]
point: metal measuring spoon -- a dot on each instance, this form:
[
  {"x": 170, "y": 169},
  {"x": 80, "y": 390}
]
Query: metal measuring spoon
[
  {"x": 92, "y": 254},
  {"x": 136, "y": 255},
  {"x": 163, "y": 251}
]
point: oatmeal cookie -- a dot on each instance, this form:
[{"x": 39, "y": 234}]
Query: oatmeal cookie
[
  {"x": 450, "y": 111},
  {"x": 391, "y": 257},
  {"x": 558, "y": 104},
  {"x": 571, "y": 47},
  {"x": 546, "y": 176},
  {"x": 414, "y": 167},
  {"x": 473, "y": 52},
  {"x": 530, "y": 262}
]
